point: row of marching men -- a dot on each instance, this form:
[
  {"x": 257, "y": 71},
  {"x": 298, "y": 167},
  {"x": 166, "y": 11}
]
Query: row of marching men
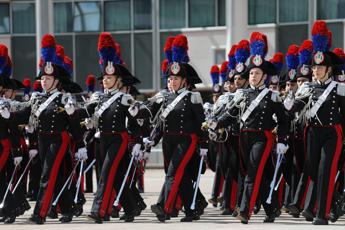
[{"x": 276, "y": 133}]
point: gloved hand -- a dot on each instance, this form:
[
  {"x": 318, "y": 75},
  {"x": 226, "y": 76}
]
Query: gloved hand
[
  {"x": 5, "y": 113},
  {"x": 148, "y": 143},
  {"x": 203, "y": 152},
  {"x": 136, "y": 151},
  {"x": 282, "y": 148},
  {"x": 81, "y": 154},
  {"x": 33, "y": 153},
  {"x": 88, "y": 123},
  {"x": 17, "y": 160},
  {"x": 212, "y": 124},
  {"x": 133, "y": 110},
  {"x": 69, "y": 108}
]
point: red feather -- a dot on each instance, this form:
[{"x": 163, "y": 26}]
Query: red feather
[
  {"x": 339, "y": 52},
  {"x": 68, "y": 61},
  {"x": 181, "y": 40},
  {"x": 27, "y": 83},
  {"x": 118, "y": 49},
  {"x": 168, "y": 43},
  {"x": 48, "y": 40},
  {"x": 306, "y": 45},
  {"x": 60, "y": 51},
  {"x": 319, "y": 27},
  {"x": 292, "y": 50},
  {"x": 224, "y": 67},
  {"x": 3, "y": 50},
  {"x": 41, "y": 63},
  {"x": 330, "y": 35},
  {"x": 165, "y": 65},
  {"x": 37, "y": 85},
  {"x": 105, "y": 40},
  {"x": 243, "y": 44},
  {"x": 214, "y": 69},
  {"x": 90, "y": 80},
  {"x": 232, "y": 50},
  {"x": 277, "y": 58}
]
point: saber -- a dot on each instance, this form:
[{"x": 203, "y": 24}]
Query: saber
[
  {"x": 21, "y": 176},
  {"x": 73, "y": 172},
  {"x": 272, "y": 185},
  {"x": 8, "y": 187},
  {"x": 64, "y": 186},
  {"x": 90, "y": 166},
  {"x": 116, "y": 202},
  {"x": 197, "y": 183},
  {"x": 277, "y": 186},
  {"x": 79, "y": 182},
  {"x": 135, "y": 169}
]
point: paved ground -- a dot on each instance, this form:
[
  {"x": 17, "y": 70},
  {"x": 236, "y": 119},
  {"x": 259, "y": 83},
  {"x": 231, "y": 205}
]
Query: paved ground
[{"x": 210, "y": 220}]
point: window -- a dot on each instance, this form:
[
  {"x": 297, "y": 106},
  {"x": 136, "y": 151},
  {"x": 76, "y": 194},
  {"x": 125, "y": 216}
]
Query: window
[
  {"x": 63, "y": 17},
  {"x": 172, "y": 14},
  {"x": 261, "y": 11},
  {"x": 24, "y": 56},
  {"x": 86, "y": 57},
  {"x": 23, "y": 16},
  {"x": 330, "y": 9},
  {"x": 221, "y": 12},
  {"x": 143, "y": 59},
  {"x": 4, "y": 18},
  {"x": 293, "y": 10},
  {"x": 201, "y": 13},
  {"x": 67, "y": 42},
  {"x": 142, "y": 14},
  {"x": 86, "y": 16},
  {"x": 291, "y": 34},
  {"x": 124, "y": 41},
  {"x": 338, "y": 34},
  {"x": 117, "y": 15},
  {"x": 219, "y": 56}
]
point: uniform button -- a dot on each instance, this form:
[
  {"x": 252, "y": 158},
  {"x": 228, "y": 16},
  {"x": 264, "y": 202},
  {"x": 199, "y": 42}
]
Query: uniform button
[
  {"x": 330, "y": 123},
  {"x": 180, "y": 131},
  {"x": 115, "y": 110},
  {"x": 260, "y": 123},
  {"x": 113, "y": 126},
  {"x": 261, "y": 118},
  {"x": 181, "y": 126},
  {"x": 331, "y": 118},
  {"x": 51, "y": 131},
  {"x": 330, "y": 113},
  {"x": 52, "y": 126},
  {"x": 259, "y": 128},
  {"x": 113, "y": 131}
]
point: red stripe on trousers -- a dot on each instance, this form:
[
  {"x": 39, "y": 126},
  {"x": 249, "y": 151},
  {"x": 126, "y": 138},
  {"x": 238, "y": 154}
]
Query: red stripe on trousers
[
  {"x": 179, "y": 174},
  {"x": 53, "y": 174},
  {"x": 178, "y": 205},
  {"x": 281, "y": 188},
  {"x": 233, "y": 196},
  {"x": 267, "y": 151},
  {"x": 112, "y": 199},
  {"x": 6, "y": 146},
  {"x": 334, "y": 168},
  {"x": 112, "y": 173}
]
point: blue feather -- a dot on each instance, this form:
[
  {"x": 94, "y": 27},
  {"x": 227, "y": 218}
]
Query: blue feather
[
  {"x": 178, "y": 54},
  {"x": 223, "y": 76},
  {"x": 241, "y": 55},
  {"x": 232, "y": 63},
  {"x": 258, "y": 48},
  {"x": 48, "y": 54},
  {"x": 292, "y": 61},
  {"x": 168, "y": 55},
  {"x": 304, "y": 57},
  {"x": 215, "y": 78},
  {"x": 278, "y": 66},
  {"x": 3, "y": 61},
  {"x": 320, "y": 42}
]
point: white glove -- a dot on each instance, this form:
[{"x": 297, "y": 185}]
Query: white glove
[
  {"x": 203, "y": 152},
  {"x": 5, "y": 113},
  {"x": 81, "y": 154},
  {"x": 136, "y": 152},
  {"x": 97, "y": 135},
  {"x": 17, "y": 160},
  {"x": 88, "y": 123},
  {"x": 147, "y": 142},
  {"x": 212, "y": 124},
  {"x": 282, "y": 148},
  {"x": 133, "y": 110},
  {"x": 33, "y": 153},
  {"x": 69, "y": 107},
  {"x": 288, "y": 103}
]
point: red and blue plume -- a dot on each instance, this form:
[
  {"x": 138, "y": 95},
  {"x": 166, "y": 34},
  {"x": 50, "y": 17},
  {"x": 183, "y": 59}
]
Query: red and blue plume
[
  {"x": 321, "y": 36},
  {"x": 60, "y": 54},
  {"x": 215, "y": 74},
  {"x": 180, "y": 49},
  {"x": 305, "y": 52},
  {"x": 168, "y": 48},
  {"x": 231, "y": 57},
  {"x": 48, "y": 48},
  {"x": 3, "y": 55},
  {"x": 258, "y": 44},
  {"x": 292, "y": 57},
  {"x": 278, "y": 61},
  {"x": 224, "y": 71},
  {"x": 118, "y": 53},
  {"x": 340, "y": 53},
  {"x": 242, "y": 52},
  {"x": 68, "y": 65},
  {"x": 6, "y": 71},
  {"x": 165, "y": 64},
  {"x": 107, "y": 49},
  {"x": 90, "y": 83},
  {"x": 27, "y": 84}
]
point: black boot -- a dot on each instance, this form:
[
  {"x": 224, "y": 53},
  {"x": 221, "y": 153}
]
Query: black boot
[
  {"x": 308, "y": 215},
  {"x": 293, "y": 210},
  {"x": 36, "y": 219},
  {"x": 227, "y": 212},
  {"x": 142, "y": 206},
  {"x": 10, "y": 219},
  {"x": 190, "y": 217},
  {"x": 115, "y": 213},
  {"x": 270, "y": 218},
  {"x": 319, "y": 221},
  {"x": 243, "y": 218},
  {"x": 94, "y": 217},
  {"x": 66, "y": 218}
]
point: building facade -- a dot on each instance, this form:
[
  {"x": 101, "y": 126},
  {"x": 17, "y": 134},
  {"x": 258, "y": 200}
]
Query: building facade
[{"x": 142, "y": 26}]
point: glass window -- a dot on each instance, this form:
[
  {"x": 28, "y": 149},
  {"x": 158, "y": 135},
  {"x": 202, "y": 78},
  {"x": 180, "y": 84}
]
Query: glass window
[
  {"x": 330, "y": 9},
  {"x": 221, "y": 12},
  {"x": 124, "y": 41},
  {"x": 201, "y": 13},
  {"x": 142, "y": 14},
  {"x": 219, "y": 55},
  {"x": 261, "y": 11},
  {"x": 67, "y": 42},
  {"x": 87, "y": 58},
  {"x": 338, "y": 34},
  {"x": 24, "y": 57},
  {"x": 63, "y": 17},
  {"x": 172, "y": 14},
  {"x": 143, "y": 59},
  {"x": 87, "y": 16},
  {"x": 292, "y": 34},
  {"x": 293, "y": 10},
  {"x": 23, "y": 16},
  {"x": 117, "y": 15},
  {"x": 4, "y": 18}
]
